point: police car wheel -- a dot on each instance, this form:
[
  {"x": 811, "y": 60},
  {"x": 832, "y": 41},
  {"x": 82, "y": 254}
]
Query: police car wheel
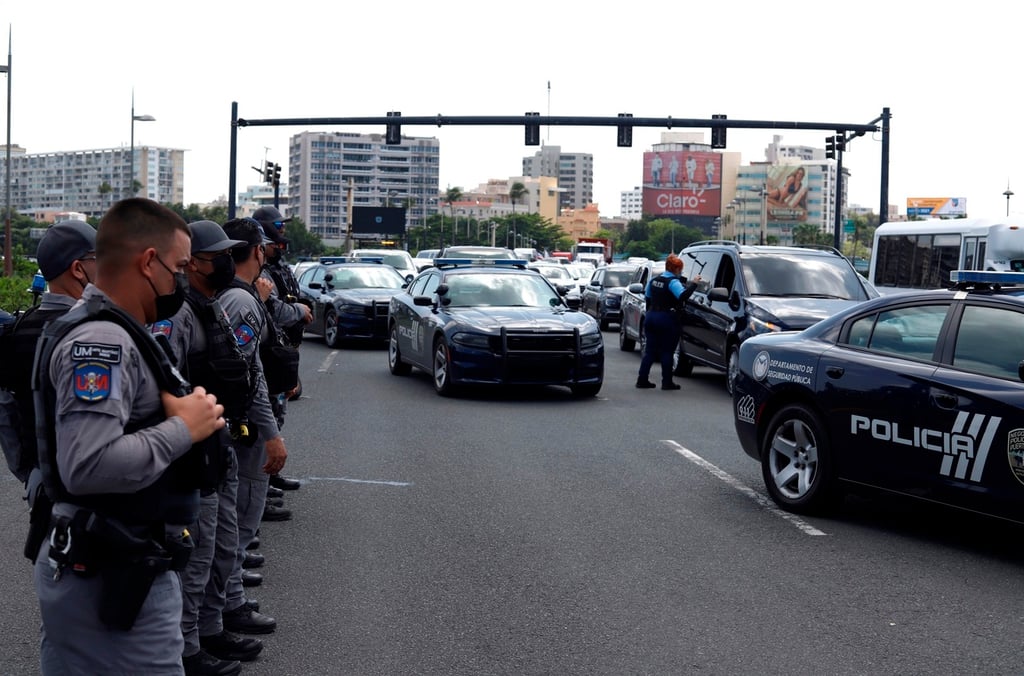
[
  {"x": 332, "y": 334},
  {"x": 626, "y": 344},
  {"x": 796, "y": 461},
  {"x": 442, "y": 370},
  {"x": 395, "y": 363}
]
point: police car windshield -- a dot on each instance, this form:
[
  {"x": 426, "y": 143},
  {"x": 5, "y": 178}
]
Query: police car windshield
[
  {"x": 369, "y": 277},
  {"x": 794, "y": 275},
  {"x": 487, "y": 289}
]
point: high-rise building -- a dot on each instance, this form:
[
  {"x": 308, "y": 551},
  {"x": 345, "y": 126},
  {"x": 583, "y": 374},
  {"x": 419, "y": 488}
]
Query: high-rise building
[
  {"x": 324, "y": 166},
  {"x": 574, "y": 171},
  {"x": 89, "y": 181},
  {"x": 631, "y": 204}
]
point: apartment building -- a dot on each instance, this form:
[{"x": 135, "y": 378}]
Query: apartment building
[
  {"x": 574, "y": 171},
  {"x": 89, "y": 181},
  {"x": 326, "y": 168}
]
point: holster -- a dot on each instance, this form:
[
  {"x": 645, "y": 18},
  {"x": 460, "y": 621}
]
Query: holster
[
  {"x": 39, "y": 520},
  {"x": 125, "y": 588},
  {"x": 130, "y": 565}
]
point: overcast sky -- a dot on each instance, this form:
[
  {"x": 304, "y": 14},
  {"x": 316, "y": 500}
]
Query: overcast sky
[{"x": 944, "y": 69}]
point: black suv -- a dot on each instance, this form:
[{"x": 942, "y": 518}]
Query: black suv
[
  {"x": 747, "y": 290},
  {"x": 602, "y": 295}
]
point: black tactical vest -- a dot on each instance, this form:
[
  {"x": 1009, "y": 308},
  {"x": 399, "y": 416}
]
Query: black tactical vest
[
  {"x": 19, "y": 348},
  {"x": 174, "y": 497},
  {"x": 221, "y": 367}
]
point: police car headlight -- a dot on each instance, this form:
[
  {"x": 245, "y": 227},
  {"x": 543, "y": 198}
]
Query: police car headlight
[
  {"x": 476, "y": 341},
  {"x": 352, "y": 309},
  {"x": 761, "y": 326},
  {"x": 590, "y": 340}
]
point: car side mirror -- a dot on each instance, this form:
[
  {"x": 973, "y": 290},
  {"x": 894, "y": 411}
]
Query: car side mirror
[
  {"x": 408, "y": 278},
  {"x": 734, "y": 301},
  {"x": 635, "y": 288},
  {"x": 328, "y": 277},
  {"x": 422, "y": 301},
  {"x": 316, "y": 285},
  {"x": 572, "y": 302},
  {"x": 719, "y": 293}
]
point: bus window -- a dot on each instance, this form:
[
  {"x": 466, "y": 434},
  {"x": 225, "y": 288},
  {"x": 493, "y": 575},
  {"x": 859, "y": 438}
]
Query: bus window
[{"x": 970, "y": 248}]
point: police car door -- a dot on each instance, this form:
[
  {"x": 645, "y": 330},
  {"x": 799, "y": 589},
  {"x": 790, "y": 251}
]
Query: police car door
[
  {"x": 978, "y": 396},
  {"x": 705, "y": 324},
  {"x": 876, "y": 388}
]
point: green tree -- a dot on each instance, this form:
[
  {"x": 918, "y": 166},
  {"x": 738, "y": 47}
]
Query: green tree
[
  {"x": 643, "y": 249},
  {"x": 516, "y": 192},
  {"x": 302, "y": 242}
]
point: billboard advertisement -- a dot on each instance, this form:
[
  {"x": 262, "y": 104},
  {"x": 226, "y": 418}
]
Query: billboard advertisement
[
  {"x": 786, "y": 197},
  {"x": 378, "y": 220},
  {"x": 682, "y": 183},
  {"x": 936, "y": 207}
]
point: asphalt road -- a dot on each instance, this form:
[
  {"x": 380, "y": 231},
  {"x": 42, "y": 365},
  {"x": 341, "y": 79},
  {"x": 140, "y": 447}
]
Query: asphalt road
[{"x": 532, "y": 533}]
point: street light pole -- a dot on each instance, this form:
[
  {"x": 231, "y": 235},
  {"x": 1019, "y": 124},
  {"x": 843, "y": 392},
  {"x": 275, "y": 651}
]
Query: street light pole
[
  {"x": 131, "y": 149},
  {"x": 8, "y": 258},
  {"x": 1008, "y": 193}
]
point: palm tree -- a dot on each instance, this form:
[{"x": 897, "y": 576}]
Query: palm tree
[
  {"x": 451, "y": 195},
  {"x": 516, "y": 192},
  {"x": 105, "y": 189}
]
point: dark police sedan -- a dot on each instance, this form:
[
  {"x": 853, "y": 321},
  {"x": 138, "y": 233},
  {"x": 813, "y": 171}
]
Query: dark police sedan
[
  {"x": 350, "y": 300},
  {"x": 493, "y": 322},
  {"x": 919, "y": 393}
]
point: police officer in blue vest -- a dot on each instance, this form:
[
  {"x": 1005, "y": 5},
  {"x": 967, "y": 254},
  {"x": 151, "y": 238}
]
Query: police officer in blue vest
[
  {"x": 665, "y": 296},
  {"x": 115, "y": 428}
]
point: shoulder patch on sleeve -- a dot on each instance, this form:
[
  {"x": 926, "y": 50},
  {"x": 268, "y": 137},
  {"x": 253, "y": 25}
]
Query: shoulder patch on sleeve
[
  {"x": 251, "y": 318},
  {"x": 164, "y": 326},
  {"x": 96, "y": 352},
  {"x": 93, "y": 380},
  {"x": 244, "y": 334}
]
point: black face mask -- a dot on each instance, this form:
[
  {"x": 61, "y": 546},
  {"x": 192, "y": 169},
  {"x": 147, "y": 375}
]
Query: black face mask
[
  {"x": 223, "y": 272},
  {"x": 167, "y": 305},
  {"x": 274, "y": 255}
]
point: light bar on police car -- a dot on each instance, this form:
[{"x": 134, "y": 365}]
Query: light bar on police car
[
  {"x": 503, "y": 262},
  {"x": 986, "y": 277}
]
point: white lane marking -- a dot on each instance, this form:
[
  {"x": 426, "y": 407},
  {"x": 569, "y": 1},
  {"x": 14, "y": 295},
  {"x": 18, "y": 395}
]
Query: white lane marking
[
  {"x": 357, "y": 481},
  {"x": 761, "y": 500},
  {"x": 327, "y": 362}
]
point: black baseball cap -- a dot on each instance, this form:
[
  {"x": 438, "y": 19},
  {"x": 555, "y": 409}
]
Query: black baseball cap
[
  {"x": 62, "y": 244},
  {"x": 270, "y": 216},
  {"x": 208, "y": 236}
]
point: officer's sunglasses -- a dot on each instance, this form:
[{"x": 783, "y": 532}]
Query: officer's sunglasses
[{"x": 278, "y": 224}]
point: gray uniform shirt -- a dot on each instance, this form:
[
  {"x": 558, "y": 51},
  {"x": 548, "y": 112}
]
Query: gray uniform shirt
[
  {"x": 247, "y": 321},
  {"x": 56, "y": 301},
  {"x": 183, "y": 333},
  {"x": 283, "y": 313},
  {"x": 102, "y": 383}
]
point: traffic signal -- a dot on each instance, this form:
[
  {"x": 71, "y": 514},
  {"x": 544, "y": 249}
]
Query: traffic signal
[
  {"x": 840, "y": 142},
  {"x": 268, "y": 172},
  {"x": 625, "y": 135},
  {"x": 718, "y": 133},
  {"x": 277, "y": 175},
  {"x": 532, "y": 131},
  {"x": 830, "y": 147},
  {"x": 394, "y": 131}
]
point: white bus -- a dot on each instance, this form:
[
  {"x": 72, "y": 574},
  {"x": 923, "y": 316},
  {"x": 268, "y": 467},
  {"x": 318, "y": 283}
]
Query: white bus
[{"x": 921, "y": 254}]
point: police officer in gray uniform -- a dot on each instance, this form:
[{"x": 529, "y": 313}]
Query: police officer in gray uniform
[
  {"x": 112, "y": 448},
  {"x": 288, "y": 313},
  {"x": 67, "y": 261},
  {"x": 247, "y": 315},
  {"x": 204, "y": 347}
]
